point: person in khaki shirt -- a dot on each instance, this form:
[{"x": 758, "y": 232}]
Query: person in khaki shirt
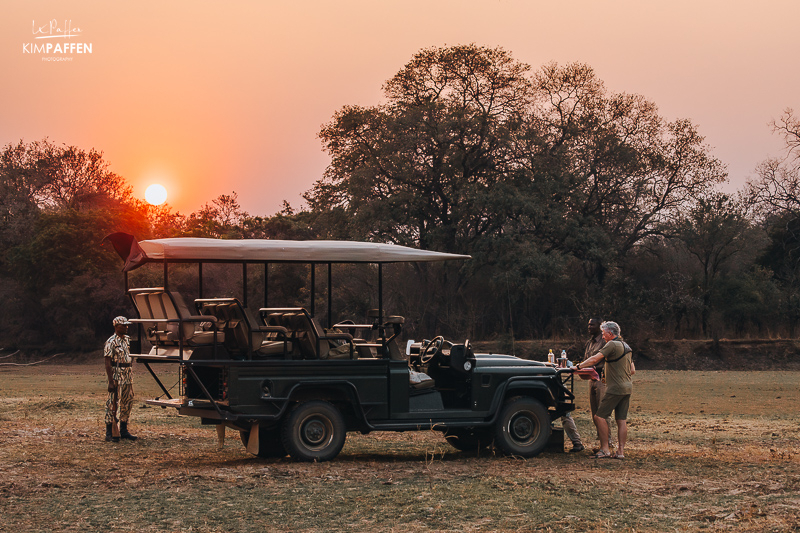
[
  {"x": 619, "y": 368},
  {"x": 596, "y": 388}
]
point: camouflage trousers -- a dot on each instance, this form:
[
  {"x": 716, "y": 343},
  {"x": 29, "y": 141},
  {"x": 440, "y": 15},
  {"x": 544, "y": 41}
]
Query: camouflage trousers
[{"x": 121, "y": 398}]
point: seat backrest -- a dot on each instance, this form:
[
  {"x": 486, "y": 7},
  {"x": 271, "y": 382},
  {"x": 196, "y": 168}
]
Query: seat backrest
[
  {"x": 154, "y": 300},
  {"x": 244, "y": 327},
  {"x": 257, "y": 338},
  {"x": 175, "y": 308},
  {"x": 143, "y": 309},
  {"x": 324, "y": 345},
  {"x": 395, "y": 354},
  {"x": 302, "y": 331},
  {"x": 225, "y": 315}
]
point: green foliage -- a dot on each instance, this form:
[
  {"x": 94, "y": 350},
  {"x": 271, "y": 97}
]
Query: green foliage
[
  {"x": 548, "y": 180},
  {"x": 573, "y": 201},
  {"x": 56, "y": 205}
]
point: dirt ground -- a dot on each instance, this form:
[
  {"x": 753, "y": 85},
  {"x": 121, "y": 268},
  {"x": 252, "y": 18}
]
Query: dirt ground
[{"x": 707, "y": 451}]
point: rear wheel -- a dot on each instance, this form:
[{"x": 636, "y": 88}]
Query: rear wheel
[
  {"x": 469, "y": 440},
  {"x": 314, "y": 431},
  {"x": 269, "y": 442},
  {"x": 523, "y": 427}
]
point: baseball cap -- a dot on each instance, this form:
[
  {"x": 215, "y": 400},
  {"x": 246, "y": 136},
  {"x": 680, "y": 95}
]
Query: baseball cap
[{"x": 121, "y": 320}]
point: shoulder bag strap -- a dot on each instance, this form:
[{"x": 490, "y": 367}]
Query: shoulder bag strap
[{"x": 625, "y": 351}]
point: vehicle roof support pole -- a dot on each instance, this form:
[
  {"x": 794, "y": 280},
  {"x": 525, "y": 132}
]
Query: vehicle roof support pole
[
  {"x": 380, "y": 295},
  {"x": 313, "y": 287},
  {"x": 200, "y": 279},
  {"x": 166, "y": 275},
  {"x": 244, "y": 284},
  {"x": 138, "y": 326},
  {"x": 330, "y": 295},
  {"x": 266, "y": 284}
]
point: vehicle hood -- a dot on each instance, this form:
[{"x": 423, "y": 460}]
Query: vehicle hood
[{"x": 483, "y": 360}]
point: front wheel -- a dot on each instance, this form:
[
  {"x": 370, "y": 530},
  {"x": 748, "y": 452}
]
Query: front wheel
[
  {"x": 523, "y": 427},
  {"x": 314, "y": 431}
]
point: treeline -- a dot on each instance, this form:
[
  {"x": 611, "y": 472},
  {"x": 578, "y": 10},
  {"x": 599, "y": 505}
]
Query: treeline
[{"x": 572, "y": 200}]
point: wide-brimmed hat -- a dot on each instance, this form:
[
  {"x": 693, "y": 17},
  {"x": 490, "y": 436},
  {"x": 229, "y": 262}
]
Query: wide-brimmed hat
[{"x": 121, "y": 320}]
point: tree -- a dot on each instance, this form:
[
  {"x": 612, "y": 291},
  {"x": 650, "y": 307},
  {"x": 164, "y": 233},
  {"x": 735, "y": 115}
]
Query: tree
[
  {"x": 548, "y": 180},
  {"x": 774, "y": 200},
  {"x": 220, "y": 219},
  {"x": 618, "y": 171},
  {"x": 776, "y": 189},
  {"x": 788, "y": 126},
  {"x": 56, "y": 205},
  {"x": 52, "y": 176},
  {"x": 426, "y": 168},
  {"x": 714, "y": 232}
]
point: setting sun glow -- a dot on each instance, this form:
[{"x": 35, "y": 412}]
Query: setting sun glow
[{"x": 155, "y": 194}]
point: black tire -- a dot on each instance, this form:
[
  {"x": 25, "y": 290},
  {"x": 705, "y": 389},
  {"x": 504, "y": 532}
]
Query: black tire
[
  {"x": 314, "y": 431},
  {"x": 269, "y": 442},
  {"x": 523, "y": 427},
  {"x": 469, "y": 440}
]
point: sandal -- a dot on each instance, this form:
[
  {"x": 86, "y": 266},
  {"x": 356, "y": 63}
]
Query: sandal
[
  {"x": 602, "y": 455},
  {"x": 619, "y": 456}
]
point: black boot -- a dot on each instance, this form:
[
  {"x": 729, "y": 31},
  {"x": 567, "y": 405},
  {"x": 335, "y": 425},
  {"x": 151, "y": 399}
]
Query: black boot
[
  {"x": 110, "y": 434},
  {"x": 123, "y": 432}
]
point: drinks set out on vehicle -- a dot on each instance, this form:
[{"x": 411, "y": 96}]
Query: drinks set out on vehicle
[{"x": 290, "y": 386}]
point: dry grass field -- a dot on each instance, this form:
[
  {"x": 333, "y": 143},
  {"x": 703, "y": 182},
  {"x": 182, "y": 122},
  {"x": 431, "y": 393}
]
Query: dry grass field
[{"x": 715, "y": 451}]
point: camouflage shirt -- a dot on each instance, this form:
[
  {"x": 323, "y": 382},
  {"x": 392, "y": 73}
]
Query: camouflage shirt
[{"x": 118, "y": 349}]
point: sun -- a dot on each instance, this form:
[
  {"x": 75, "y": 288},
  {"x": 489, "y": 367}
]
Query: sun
[{"x": 155, "y": 194}]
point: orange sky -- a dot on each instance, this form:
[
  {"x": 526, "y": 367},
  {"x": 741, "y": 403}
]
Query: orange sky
[{"x": 213, "y": 97}]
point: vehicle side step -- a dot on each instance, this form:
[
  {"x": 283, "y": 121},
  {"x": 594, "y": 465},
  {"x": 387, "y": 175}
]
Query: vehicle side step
[{"x": 173, "y": 402}]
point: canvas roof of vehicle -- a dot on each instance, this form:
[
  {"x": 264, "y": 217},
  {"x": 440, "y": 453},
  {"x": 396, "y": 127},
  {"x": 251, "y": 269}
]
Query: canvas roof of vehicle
[{"x": 194, "y": 249}]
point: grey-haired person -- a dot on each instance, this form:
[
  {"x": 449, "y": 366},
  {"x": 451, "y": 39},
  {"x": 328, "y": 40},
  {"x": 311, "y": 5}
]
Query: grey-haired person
[
  {"x": 117, "y": 357},
  {"x": 619, "y": 368}
]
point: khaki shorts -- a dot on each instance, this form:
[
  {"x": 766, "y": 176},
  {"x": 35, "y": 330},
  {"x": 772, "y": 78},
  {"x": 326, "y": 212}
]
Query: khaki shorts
[{"x": 617, "y": 403}]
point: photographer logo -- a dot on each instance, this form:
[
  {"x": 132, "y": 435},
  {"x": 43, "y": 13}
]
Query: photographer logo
[{"x": 56, "y": 40}]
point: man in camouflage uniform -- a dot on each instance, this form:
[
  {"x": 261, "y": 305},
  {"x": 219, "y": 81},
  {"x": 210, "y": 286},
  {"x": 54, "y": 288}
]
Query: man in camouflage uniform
[{"x": 117, "y": 356}]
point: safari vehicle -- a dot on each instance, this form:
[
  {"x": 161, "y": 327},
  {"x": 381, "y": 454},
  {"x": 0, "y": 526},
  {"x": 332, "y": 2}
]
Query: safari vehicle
[{"x": 290, "y": 386}]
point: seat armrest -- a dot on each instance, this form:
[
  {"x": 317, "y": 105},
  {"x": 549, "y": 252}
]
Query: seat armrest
[
  {"x": 351, "y": 326},
  {"x": 329, "y": 336},
  {"x": 193, "y": 318},
  {"x": 269, "y": 329}
]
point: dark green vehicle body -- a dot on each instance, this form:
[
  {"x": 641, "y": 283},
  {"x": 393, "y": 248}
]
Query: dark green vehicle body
[
  {"x": 376, "y": 393},
  {"x": 293, "y": 388},
  {"x": 371, "y": 395}
]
